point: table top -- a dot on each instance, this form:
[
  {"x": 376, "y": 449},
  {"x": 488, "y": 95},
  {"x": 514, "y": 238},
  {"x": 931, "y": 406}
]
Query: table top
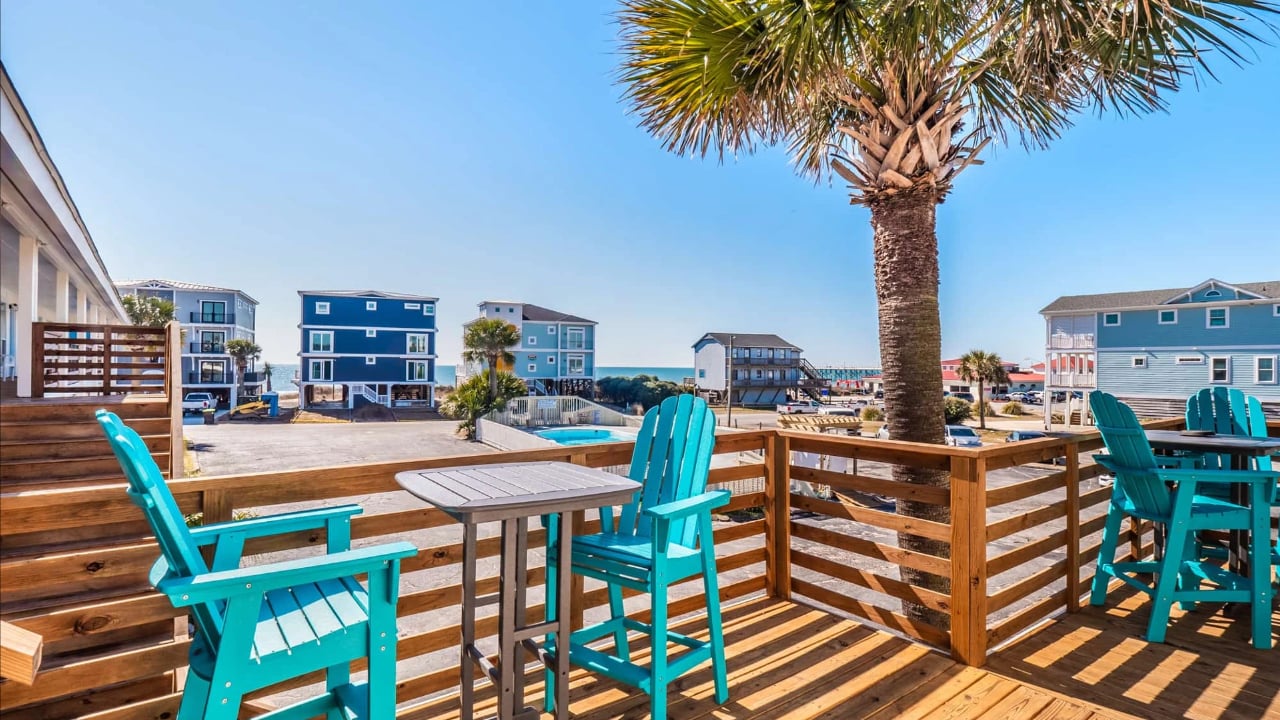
[
  {"x": 482, "y": 493},
  {"x": 1226, "y": 444}
]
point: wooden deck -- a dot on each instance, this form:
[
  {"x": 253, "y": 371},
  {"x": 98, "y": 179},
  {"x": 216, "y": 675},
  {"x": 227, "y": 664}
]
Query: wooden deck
[{"x": 792, "y": 661}]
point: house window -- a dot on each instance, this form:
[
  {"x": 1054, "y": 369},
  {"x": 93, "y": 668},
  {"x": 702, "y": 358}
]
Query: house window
[
  {"x": 417, "y": 343},
  {"x": 370, "y": 360},
  {"x": 322, "y": 308},
  {"x": 428, "y": 309},
  {"x": 1264, "y": 370},
  {"x": 576, "y": 339},
  {"x": 1189, "y": 360},
  {"x": 213, "y": 312},
  {"x": 1213, "y": 293},
  {"x": 577, "y": 365},
  {"x": 1275, "y": 310},
  {"x": 1139, "y": 361},
  {"x": 533, "y": 340},
  {"x": 416, "y": 370},
  {"x": 321, "y": 370},
  {"x": 370, "y": 332},
  {"x": 551, "y": 329},
  {"x": 702, "y": 373},
  {"x": 551, "y": 359},
  {"x": 533, "y": 367},
  {"x": 1220, "y": 370},
  {"x": 1110, "y": 319},
  {"x": 1168, "y": 317},
  {"x": 412, "y": 306},
  {"x": 1217, "y": 318},
  {"x": 370, "y": 304},
  {"x": 511, "y": 309},
  {"x": 322, "y": 341}
]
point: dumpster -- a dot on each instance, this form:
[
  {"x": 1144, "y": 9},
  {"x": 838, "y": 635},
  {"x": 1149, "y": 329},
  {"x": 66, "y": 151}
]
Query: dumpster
[{"x": 273, "y": 403}]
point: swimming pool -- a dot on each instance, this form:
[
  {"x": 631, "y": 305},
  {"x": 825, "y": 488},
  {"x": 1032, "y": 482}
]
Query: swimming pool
[{"x": 584, "y": 436}]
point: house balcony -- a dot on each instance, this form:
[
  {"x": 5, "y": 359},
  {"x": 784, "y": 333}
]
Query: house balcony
[
  {"x": 255, "y": 377},
  {"x": 814, "y": 604},
  {"x": 211, "y": 378},
  {"x": 767, "y": 361},
  {"x": 766, "y": 382},
  {"x": 222, "y": 318},
  {"x": 207, "y": 348}
]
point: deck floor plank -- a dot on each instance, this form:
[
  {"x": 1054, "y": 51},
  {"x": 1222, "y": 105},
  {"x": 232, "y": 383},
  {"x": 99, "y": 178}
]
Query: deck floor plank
[{"x": 789, "y": 661}]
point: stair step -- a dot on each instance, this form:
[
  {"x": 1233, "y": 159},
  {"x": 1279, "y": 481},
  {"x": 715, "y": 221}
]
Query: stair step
[{"x": 52, "y": 448}]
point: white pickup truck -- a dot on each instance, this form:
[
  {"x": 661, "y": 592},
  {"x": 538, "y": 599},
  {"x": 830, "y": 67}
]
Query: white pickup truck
[
  {"x": 797, "y": 407},
  {"x": 197, "y": 402}
]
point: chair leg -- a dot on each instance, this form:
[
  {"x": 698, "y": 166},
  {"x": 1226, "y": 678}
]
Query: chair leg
[
  {"x": 551, "y": 603},
  {"x": 1106, "y": 555},
  {"x": 335, "y": 677},
  {"x": 658, "y": 639},
  {"x": 1187, "y": 580},
  {"x": 1259, "y": 564},
  {"x": 715, "y": 628},
  {"x": 1167, "y": 583},
  {"x": 617, "y": 613},
  {"x": 195, "y": 696}
]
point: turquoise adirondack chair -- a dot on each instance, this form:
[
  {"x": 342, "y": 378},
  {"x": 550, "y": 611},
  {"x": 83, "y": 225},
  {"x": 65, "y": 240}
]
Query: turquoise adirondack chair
[
  {"x": 260, "y": 625},
  {"x": 1141, "y": 490},
  {"x": 664, "y": 536}
]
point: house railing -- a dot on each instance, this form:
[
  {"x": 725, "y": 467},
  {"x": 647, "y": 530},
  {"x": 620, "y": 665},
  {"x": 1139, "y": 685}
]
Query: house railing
[
  {"x": 559, "y": 410},
  {"x": 210, "y": 378},
  {"x": 222, "y": 318},
  {"x": 254, "y": 377},
  {"x": 1009, "y": 552},
  {"x": 207, "y": 348},
  {"x": 81, "y": 359}
]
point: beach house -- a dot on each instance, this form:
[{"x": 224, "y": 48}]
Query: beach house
[
  {"x": 367, "y": 347},
  {"x": 50, "y": 271},
  {"x": 210, "y": 316},
  {"x": 1154, "y": 348},
  {"x": 755, "y": 369},
  {"x": 556, "y": 354}
]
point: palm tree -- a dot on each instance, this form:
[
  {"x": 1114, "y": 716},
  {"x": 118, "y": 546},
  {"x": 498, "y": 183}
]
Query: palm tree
[
  {"x": 897, "y": 99},
  {"x": 243, "y": 351},
  {"x": 982, "y": 367},
  {"x": 489, "y": 340},
  {"x": 267, "y": 369},
  {"x": 148, "y": 311}
]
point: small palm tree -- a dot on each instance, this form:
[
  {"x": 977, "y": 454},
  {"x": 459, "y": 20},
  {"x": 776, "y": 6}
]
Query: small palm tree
[
  {"x": 982, "y": 367},
  {"x": 897, "y": 99},
  {"x": 267, "y": 369},
  {"x": 148, "y": 311},
  {"x": 489, "y": 340},
  {"x": 243, "y": 351}
]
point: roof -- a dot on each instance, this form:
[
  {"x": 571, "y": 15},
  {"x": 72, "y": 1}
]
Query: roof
[
  {"x": 1150, "y": 298},
  {"x": 537, "y": 313},
  {"x": 178, "y": 285},
  {"x": 370, "y": 293},
  {"x": 748, "y": 340}
]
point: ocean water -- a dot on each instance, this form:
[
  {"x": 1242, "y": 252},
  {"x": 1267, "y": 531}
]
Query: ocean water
[{"x": 282, "y": 374}]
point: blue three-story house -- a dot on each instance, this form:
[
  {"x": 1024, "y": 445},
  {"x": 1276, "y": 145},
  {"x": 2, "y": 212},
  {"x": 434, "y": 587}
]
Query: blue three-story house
[{"x": 367, "y": 347}]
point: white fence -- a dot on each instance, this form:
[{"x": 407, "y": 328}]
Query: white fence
[
  {"x": 559, "y": 410},
  {"x": 500, "y": 436}
]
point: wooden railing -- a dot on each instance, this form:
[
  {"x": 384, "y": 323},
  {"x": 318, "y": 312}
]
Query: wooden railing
[
  {"x": 78, "y": 359},
  {"x": 1017, "y": 551}
]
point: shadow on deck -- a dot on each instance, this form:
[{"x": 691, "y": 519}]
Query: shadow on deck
[{"x": 792, "y": 661}]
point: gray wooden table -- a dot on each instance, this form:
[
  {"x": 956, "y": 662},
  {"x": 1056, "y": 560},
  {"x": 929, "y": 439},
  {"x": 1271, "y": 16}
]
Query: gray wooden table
[
  {"x": 511, "y": 494},
  {"x": 1242, "y": 450}
]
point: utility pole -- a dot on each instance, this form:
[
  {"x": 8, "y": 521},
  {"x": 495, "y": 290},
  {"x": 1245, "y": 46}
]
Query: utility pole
[{"x": 729, "y": 383}]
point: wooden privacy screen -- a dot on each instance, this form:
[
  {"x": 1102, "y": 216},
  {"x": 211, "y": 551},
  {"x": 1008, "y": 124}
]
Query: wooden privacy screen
[{"x": 97, "y": 359}]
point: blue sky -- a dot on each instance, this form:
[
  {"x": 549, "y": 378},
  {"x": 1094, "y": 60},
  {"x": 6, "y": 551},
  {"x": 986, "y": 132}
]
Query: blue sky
[{"x": 475, "y": 152}]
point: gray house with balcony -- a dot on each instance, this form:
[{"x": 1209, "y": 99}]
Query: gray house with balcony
[
  {"x": 210, "y": 316},
  {"x": 753, "y": 370}
]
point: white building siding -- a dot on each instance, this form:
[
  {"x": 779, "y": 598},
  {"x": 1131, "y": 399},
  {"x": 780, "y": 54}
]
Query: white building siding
[{"x": 708, "y": 366}]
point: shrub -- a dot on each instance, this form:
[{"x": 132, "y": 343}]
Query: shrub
[
  {"x": 979, "y": 407},
  {"x": 956, "y": 410},
  {"x": 1056, "y": 418},
  {"x": 1014, "y": 408},
  {"x": 872, "y": 414},
  {"x": 471, "y": 399}
]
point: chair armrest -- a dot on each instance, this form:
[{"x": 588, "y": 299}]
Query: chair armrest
[
  {"x": 274, "y": 524},
  {"x": 677, "y": 509},
  {"x": 264, "y": 578},
  {"x": 1219, "y": 476}
]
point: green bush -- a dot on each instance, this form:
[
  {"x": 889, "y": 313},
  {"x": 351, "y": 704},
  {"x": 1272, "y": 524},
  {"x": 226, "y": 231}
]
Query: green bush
[
  {"x": 471, "y": 399},
  {"x": 1014, "y": 408},
  {"x": 956, "y": 410},
  {"x": 872, "y": 414},
  {"x": 979, "y": 407}
]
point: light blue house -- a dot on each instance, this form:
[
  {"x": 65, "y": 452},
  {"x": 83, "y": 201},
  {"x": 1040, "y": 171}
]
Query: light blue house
[
  {"x": 1154, "y": 348},
  {"x": 556, "y": 355},
  {"x": 367, "y": 347},
  {"x": 210, "y": 316}
]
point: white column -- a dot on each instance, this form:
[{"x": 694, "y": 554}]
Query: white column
[
  {"x": 82, "y": 306},
  {"x": 63, "y": 291},
  {"x": 28, "y": 300}
]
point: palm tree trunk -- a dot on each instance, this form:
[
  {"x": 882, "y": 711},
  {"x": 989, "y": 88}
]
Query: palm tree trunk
[
  {"x": 493, "y": 376},
  {"x": 982, "y": 407},
  {"x": 906, "y": 271}
]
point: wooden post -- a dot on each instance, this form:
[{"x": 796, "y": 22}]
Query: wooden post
[
  {"x": 37, "y": 359},
  {"x": 969, "y": 560},
  {"x": 173, "y": 391},
  {"x": 777, "y": 516},
  {"x": 107, "y": 385},
  {"x": 20, "y": 654},
  {"x": 1073, "y": 527},
  {"x": 578, "y": 588}
]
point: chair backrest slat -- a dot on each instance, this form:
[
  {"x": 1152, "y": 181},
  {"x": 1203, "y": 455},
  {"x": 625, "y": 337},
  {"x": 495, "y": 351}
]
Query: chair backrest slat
[
  {"x": 149, "y": 491},
  {"x": 1127, "y": 443},
  {"x": 1227, "y": 411},
  {"x": 671, "y": 460}
]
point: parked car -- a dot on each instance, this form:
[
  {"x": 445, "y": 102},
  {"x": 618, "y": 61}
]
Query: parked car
[
  {"x": 1018, "y": 396},
  {"x": 1020, "y": 435},
  {"x": 1035, "y": 397},
  {"x": 879, "y": 395},
  {"x": 962, "y": 436},
  {"x": 839, "y": 410},
  {"x": 198, "y": 402},
  {"x": 965, "y": 396},
  {"x": 1000, "y": 396},
  {"x": 797, "y": 407}
]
